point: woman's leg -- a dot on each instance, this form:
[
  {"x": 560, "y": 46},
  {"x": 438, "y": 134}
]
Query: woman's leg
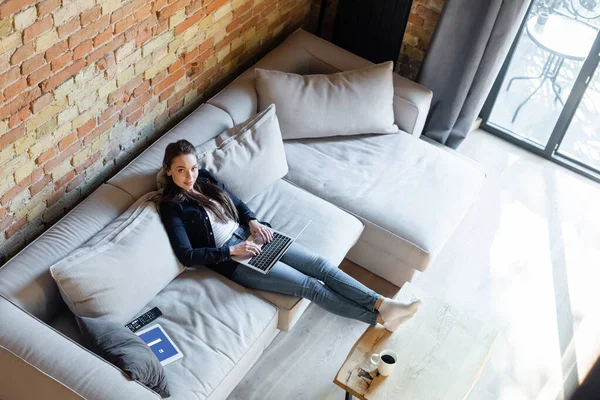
[
  {"x": 286, "y": 280},
  {"x": 337, "y": 280}
]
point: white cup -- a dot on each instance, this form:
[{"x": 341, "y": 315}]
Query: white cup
[{"x": 384, "y": 368}]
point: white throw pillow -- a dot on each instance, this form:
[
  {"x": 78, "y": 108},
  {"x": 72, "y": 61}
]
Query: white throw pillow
[
  {"x": 247, "y": 158},
  {"x": 344, "y": 103},
  {"x": 121, "y": 269}
]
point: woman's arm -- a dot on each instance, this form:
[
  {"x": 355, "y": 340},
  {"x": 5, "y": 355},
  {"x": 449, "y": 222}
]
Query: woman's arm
[
  {"x": 246, "y": 215},
  {"x": 180, "y": 241}
]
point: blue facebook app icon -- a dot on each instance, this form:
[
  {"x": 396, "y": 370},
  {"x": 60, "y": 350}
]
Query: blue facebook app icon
[{"x": 159, "y": 343}]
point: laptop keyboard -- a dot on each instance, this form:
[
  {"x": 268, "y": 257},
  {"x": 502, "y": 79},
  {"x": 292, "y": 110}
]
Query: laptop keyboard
[{"x": 269, "y": 251}]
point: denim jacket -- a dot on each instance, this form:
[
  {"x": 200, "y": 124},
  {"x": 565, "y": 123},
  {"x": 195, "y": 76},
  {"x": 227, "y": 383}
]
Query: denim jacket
[{"x": 191, "y": 234}]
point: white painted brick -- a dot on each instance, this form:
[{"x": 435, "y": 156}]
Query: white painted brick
[
  {"x": 86, "y": 74},
  {"x": 159, "y": 41},
  {"x": 37, "y": 210},
  {"x": 148, "y": 118},
  {"x": 3, "y": 127},
  {"x": 14, "y": 164},
  {"x": 10, "y": 42},
  {"x": 46, "y": 40},
  {"x": 130, "y": 60},
  {"x": 190, "y": 32},
  {"x": 181, "y": 84},
  {"x": 162, "y": 65},
  {"x": 6, "y": 183},
  {"x": 64, "y": 89},
  {"x": 70, "y": 10},
  {"x": 25, "y": 142},
  {"x": 61, "y": 169},
  {"x": 32, "y": 209},
  {"x": 6, "y": 155},
  {"x": 125, "y": 76},
  {"x": 223, "y": 52},
  {"x": 174, "y": 46},
  {"x": 41, "y": 145},
  {"x": 62, "y": 131},
  {"x": 109, "y": 6},
  {"x": 190, "y": 96},
  {"x": 86, "y": 116},
  {"x": 122, "y": 52},
  {"x": 24, "y": 170},
  {"x": 177, "y": 18},
  {"x": 108, "y": 88},
  {"x": 100, "y": 142},
  {"x": 237, "y": 43},
  {"x": 87, "y": 102},
  {"x": 223, "y": 11},
  {"x": 19, "y": 201},
  {"x": 6, "y": 26},
  {"x": 80, "y": 157},
  {"x": 143, "y": 65},
  {"x": 47, "y": 113},
  {"x": 68, "y": 115},
  {"x": 25, "y": 18}
]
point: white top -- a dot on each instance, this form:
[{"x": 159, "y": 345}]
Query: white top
[
  {"x": 221, "y": 231},
  {"x": 563, "y": 35}
]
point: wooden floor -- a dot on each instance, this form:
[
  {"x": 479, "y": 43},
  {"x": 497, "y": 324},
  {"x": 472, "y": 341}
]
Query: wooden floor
[{"x": 526, "y": 259}]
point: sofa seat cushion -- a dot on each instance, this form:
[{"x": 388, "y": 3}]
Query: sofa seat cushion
[
  {"x": 219, "y": 326},
  {"x": 402, "y": 184},
  {"x": 214, "y": 322},
  {"x": 331, "y": 233}
]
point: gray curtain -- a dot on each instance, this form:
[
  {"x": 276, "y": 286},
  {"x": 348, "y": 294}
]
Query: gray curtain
[{"x": 466, "y": 53}]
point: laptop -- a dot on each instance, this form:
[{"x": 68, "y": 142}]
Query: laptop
[{"x": 270, "y": 252}]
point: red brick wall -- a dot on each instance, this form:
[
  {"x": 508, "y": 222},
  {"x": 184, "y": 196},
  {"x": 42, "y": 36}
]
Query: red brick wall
[
  {"x": 423, "y": 17},
  {"x": 85, "y": 85}
]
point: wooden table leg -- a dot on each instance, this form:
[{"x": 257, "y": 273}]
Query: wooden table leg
[{"x": 348, "y": 396}]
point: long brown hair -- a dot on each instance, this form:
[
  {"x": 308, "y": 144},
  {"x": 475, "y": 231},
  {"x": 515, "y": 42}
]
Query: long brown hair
[{"x": 204, "y": 191}]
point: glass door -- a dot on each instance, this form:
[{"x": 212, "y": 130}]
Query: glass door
[
  {"x": 546, "y": 97},
  {"x": 581, "y": 143}
]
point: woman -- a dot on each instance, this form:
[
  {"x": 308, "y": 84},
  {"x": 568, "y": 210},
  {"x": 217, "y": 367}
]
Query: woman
[{"x": 207, "y": 225}]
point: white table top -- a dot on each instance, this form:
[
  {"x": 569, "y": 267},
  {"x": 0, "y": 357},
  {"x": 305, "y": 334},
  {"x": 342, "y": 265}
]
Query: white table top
[
  {"x": 564, "y": 36},
  {"x": 441, "y": 352}
]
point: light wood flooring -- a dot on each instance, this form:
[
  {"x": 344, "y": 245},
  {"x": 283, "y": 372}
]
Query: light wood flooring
[{"x": 525, "y": 259}]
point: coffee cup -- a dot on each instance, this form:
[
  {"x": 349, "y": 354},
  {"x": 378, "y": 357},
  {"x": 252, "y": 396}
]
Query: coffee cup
[{"x": 385, "y": 361}]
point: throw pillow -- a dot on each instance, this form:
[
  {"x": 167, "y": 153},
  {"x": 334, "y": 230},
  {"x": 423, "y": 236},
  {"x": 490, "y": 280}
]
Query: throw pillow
[
  {"x": 121, "y": 268},
  {"x": 344, "y": 103},
  {"x": 124, "y": 349},
  {"x": 247, "y": 158}
]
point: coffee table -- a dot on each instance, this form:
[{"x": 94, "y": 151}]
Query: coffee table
[{"x": 441, "y": 353}]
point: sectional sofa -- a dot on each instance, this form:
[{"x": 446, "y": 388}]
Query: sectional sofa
[{"x": 386, "y": 202}]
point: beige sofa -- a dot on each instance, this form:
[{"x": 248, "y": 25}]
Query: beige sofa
[{"x": 375, "y": 199}]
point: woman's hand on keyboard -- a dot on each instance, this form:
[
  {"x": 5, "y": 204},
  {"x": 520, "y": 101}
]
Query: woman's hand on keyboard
[
  {"x": 244, "y": 249},
  {"x": 261, "y": 233}
]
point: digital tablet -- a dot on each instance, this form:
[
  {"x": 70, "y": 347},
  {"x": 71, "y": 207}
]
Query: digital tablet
[{"x": 160, "y": 343}]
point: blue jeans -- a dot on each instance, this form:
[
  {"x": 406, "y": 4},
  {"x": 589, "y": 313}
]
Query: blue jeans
[{"x": 298, "y": 274}]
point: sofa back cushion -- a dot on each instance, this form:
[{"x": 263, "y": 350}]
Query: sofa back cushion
[
  {"x": 345, "y": 103},
  {"x": 25, "y": 279},
  {"x": 203, "y": 124},
  {"x": 250, "y": 157},
  {"x": 247, "y": 158},
  {"x": 121, "y": 268}
]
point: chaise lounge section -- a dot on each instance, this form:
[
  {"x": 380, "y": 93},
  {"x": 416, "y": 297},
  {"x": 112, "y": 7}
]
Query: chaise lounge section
[{"x": 409, "y": 193}]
